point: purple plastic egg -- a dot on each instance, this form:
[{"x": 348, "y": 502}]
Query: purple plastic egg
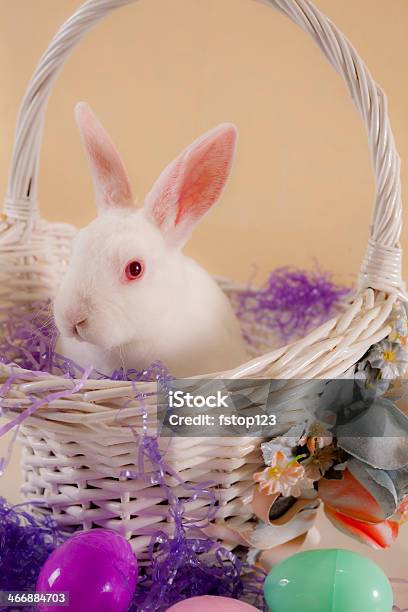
[
  {"x": 97, "y": 568},
  {"x": 211, "y": 603}
]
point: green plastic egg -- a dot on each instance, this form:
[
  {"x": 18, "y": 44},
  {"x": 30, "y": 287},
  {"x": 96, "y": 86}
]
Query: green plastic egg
[{"x": 328, "y": 580}]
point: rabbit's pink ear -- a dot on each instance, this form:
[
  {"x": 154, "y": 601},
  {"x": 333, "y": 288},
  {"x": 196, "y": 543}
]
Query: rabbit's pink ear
[
  {"x": 110, "y": 179},
  {"x": 191, "y": 184}
]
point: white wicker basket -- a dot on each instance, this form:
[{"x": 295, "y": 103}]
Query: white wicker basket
[{"x": 75, "y": 448}]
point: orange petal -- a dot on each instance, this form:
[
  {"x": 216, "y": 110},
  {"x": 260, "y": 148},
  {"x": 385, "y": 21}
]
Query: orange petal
[
  {"x": 349, "y": 497},
  {"x": 379, "y": 536}
]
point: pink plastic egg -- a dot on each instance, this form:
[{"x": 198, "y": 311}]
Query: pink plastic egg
[
  {"x": 211, "y": 603},
  {"x": 98, "y": 570}
]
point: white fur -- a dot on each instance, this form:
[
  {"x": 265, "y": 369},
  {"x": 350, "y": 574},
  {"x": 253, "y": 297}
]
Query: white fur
[{"x": 175, "y": 313}]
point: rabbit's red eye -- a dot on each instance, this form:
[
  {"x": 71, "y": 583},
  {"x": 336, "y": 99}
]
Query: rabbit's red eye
[{"x": 134, "y": 270}]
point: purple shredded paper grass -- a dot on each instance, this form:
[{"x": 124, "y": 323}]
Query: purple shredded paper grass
[
  {"x": 188, "y": 563},
  {"x": 292, "y": 301},
  {"x": 25, "y": 544}
]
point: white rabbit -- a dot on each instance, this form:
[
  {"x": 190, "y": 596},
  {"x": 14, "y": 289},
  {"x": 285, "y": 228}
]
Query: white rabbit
[{"x": 130, "y": 297}]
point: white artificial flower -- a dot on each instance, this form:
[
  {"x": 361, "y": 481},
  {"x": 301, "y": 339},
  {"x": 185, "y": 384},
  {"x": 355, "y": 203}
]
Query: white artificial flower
[{"x": 389, "y": 357}]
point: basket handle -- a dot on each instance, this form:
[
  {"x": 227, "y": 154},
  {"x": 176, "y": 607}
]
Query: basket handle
[{"x": 381, "y": 267}]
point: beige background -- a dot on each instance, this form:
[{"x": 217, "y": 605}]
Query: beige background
[{"x": 160, "y": 72}]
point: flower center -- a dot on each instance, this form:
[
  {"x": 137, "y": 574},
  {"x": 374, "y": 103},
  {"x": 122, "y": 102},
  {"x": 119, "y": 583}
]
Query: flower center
[
  {"x": 274, "y": 473},
  {"x": 389, "y": 356}
]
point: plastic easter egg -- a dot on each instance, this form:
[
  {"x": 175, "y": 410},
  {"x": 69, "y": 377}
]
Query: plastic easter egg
[
  {"x": 98, "y": 570},
  {"x": 211, "y": 603},
  {"x": 329, "y": 580}
]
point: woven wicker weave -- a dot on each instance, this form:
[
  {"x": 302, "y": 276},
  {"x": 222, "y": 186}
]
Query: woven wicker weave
[{"x": 76, "y": 447}]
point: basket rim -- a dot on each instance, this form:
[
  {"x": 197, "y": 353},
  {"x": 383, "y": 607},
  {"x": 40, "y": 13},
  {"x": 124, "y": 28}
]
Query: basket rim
[{"x": 367, "y": 301}]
